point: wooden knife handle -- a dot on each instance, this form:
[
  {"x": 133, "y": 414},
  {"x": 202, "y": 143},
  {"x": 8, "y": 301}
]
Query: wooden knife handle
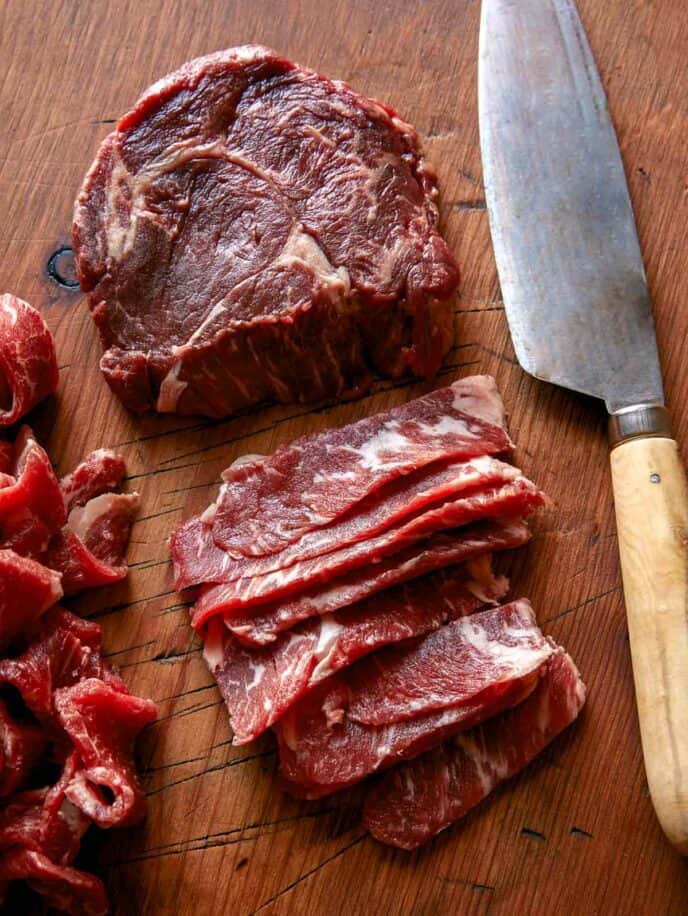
[{"x": 651, "y": 500}]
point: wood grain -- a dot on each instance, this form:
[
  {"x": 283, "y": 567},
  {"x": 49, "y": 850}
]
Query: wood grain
[{"x": 576, "y": 833}]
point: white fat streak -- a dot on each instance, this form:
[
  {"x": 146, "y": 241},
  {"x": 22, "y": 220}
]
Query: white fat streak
[
  {"x": 208, "y": 515},
  {"x": 246, "y": 54},
  {"x": 171, "y": 389},
  {"x": 450, "y": 426},
  {"x": 576, "y": 691},
  {"x": 334, "y": 476},
  {"x": 479, "y": 397},
  {"x": 388, "y": 447},
  {"x": 521, "y": 655},
  {"x": 6, "y": 303},
  {"x": 120, "y": 238},
  {"x": 302, "y": 248},
  {"x": 489, "y": 593},
  {"x": 213, "y": 646},
  {"x": 258, "y": 669},
  {"x": 388, "y": 440},
  {"x": 82, "y": 518},
  {"x": 241, "y": 460},
  {"x": 489, "y": 768},
  {"x": 216, "y": 310},
  {"x": 330, "y": 631}
]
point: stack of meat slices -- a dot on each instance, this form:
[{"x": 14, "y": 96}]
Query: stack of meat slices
[
  {"x": 347, "y": 600},
  {"x": 67, "y": 722}
]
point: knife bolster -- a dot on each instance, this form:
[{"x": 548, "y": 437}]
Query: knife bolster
[{"x": 639, "y": 423}]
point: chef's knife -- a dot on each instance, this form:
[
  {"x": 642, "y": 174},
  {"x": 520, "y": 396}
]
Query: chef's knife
[{"x": 578, "y": 308}]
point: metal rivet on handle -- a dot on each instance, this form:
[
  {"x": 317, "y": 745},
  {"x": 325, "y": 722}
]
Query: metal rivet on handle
[{"x": 655, "y": 478}]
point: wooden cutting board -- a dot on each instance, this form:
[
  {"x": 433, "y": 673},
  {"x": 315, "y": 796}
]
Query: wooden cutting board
[{"x": 576, "y": 833}]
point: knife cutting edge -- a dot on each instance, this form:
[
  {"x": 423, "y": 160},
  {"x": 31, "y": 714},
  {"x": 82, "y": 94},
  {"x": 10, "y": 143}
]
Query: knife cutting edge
[{"x": 579, "y": 311}]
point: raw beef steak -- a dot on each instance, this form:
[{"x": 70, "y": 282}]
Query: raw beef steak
[
  {"x": 253, "y": 231},
  {"x": 192, "y": 544}
]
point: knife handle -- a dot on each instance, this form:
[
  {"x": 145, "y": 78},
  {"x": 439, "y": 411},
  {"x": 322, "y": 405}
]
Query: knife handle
[{"x": 651, "y": 502}]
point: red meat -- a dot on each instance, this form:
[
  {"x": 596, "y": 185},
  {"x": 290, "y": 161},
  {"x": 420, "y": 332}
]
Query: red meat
[
  {"x": 323, "y": 747},
  {"x": 397, "y": 683},
  {"x": 67, "y": 889},
  {"x": 100, "y": 472},
  {"x": 417, "y": 800},
  {"x": 350, "y": 752},
  {"x": 27, "y": 590},
  {"x": 250, "y": 231},
  {"x": 262, "y": 625},
  {"x": 28, "y": 365},
  {"x": 514, "y": 498},
  {"x": 259, "y": 685},
  {"x": 65, "y": 649},
  {"x": 91, "y": 549},
  {"x": 45, "y": 821},
  {"x": 22, "y": 745},
  {"x": 103, "y": 722},
  {"x": 401, "y": 499},
  {"x": 268, "y": 503},
  {"x": 31, "y": 507}
]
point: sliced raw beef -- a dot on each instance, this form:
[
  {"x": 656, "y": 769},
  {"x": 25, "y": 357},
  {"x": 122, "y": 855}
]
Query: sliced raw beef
[
  {"x": 91, "y": 549},
  {"x": 67, "y": 889},
  {"x": 323, "y": 747},
  {"x": 401, "y": 499},
  {"x": 259, "y": 685},
  {"x": 22, "y": 745},
  {"x": 100, "y": 472},
  {"x": 515, "y": 498},
  {"x": 268, "y": 503},
  {"x": 419, "y": 799},
  {"x": 262, "y": 625},
  {"x": 28, "y": 365},
  {"x": 65, "y": 649},
  {"x": 251, "y": 230},
  {"x": 398, "y": 684},
  {"x": 27, "y": 590},
  {"x": 31, "y": 505},
  {"x": 40, "y": 835},
  {"x": 103, "y": 722},
  {"x": 344, "y": 755},
  {"x": 45, "y": 821},
  {"x": 196, "y": 557}
]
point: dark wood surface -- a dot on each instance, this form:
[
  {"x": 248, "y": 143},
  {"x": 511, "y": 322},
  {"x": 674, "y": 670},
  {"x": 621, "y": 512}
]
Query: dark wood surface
[{"x": 576, "y": 833}]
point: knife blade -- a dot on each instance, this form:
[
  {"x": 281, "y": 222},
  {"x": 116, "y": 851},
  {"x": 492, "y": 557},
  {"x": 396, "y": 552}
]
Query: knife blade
[{"x": 579, "y": 312}]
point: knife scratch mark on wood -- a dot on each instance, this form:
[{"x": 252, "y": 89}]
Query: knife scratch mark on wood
[
  {"x": 582, "y": 604},
  {"x": 227, "y": 765},
  {"x": 309, "y": 874},
  {"x": 213, "y": 840}
]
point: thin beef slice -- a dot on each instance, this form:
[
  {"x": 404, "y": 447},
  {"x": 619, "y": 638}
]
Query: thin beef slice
[
  {"x": 417, "y": 800},
  {"x": 400, "y": 499},
  {"x": 259, "y": 685},
  {"x": 262, "y": 625},
  {"x": 461, "y": 681},
  {"x": 514, "y": 498},
  {"x": 28, "y": 364}
]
